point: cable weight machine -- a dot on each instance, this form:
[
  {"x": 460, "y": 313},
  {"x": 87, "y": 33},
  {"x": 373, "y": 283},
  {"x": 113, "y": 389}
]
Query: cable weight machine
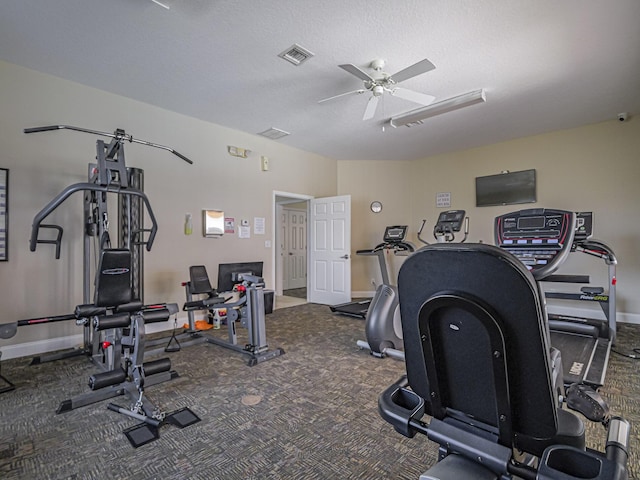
[{"x": 108, "y": 177}]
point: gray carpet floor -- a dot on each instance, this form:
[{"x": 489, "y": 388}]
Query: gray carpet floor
[{"x": 311, "y": 413}]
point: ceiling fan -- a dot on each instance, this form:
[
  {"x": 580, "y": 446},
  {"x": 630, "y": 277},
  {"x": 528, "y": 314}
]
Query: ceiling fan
[
  {"x": 383, "y": 82},
  {"x": 161, "y": 4}
]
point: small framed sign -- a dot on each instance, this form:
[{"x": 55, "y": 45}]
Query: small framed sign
[{"x": 443, "y": 199}]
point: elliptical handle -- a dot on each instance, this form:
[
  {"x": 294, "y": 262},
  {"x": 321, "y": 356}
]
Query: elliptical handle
[
  {"x": 466, "y": 229},
  {"x": 424, "y": 222}
]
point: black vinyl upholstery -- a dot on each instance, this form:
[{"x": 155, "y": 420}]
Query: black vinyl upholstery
[
  {"x": 200, "y": 283},
  {"x": 477, "y": 345},
  {"x": 113, "y": 280}
]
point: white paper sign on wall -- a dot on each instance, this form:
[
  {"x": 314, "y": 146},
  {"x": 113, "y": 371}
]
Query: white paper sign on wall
[{"x": 443, "y": 199}]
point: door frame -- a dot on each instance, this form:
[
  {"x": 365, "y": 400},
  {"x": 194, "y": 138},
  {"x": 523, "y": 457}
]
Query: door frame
[{"x": 281, "y": 198}]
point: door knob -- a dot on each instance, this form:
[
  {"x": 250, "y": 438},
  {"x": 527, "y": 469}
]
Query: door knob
[{"x": 346, "y": 256}]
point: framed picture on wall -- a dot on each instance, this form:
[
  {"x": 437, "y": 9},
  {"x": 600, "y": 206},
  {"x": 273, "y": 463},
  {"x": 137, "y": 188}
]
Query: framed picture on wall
[{"x": 4, "y": 214}]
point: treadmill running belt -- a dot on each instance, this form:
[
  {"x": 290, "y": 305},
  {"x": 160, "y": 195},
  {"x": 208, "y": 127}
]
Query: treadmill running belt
[
  {"x": 354, "y": 309},
  {"x": 577, "y": 354}
]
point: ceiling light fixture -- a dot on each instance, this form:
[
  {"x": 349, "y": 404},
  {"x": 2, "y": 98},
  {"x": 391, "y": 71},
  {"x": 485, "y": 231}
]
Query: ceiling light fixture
[{"x": 415, "y": 117}]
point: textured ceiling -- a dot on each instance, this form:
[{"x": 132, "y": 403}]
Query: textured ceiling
[{"x": 545, "y": 64}]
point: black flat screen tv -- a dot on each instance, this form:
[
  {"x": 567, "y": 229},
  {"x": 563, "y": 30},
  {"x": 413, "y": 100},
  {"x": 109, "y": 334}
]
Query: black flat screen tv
[
  {"x": 225, "y": 271},
  {"x": 506, "y": 188}
]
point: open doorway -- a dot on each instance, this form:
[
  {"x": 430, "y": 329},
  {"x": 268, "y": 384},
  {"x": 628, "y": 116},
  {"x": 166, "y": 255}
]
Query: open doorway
[{"x": 290, "y": 248}]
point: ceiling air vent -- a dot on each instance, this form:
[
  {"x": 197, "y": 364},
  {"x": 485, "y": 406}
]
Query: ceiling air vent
[
  {"x": 274, "y": 133},
  {"x": 296, "y": 54}
]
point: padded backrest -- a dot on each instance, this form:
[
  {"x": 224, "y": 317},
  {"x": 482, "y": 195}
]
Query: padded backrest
[
  {"x": 475, "y": 327},
  {"x": 113, "y": 278},
  {"x": 200, "y": 280}
]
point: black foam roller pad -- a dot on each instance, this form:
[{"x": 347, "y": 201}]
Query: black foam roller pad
[
  {"x": 119, "y": 320},
  {"x": 153, "y": 316},
  {"x": 157, "y": 366},
  {"x": 106, "y": 379},
  {"x": 90, "y": 310},
  {"x": 130, "y": 307}
]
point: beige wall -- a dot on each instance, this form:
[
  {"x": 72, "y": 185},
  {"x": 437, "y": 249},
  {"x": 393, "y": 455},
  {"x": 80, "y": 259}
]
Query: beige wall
[
  {"x": 390, "y": 183},
  {"x": 594, "y": 168},
  {"x": 41, "y": 165}
]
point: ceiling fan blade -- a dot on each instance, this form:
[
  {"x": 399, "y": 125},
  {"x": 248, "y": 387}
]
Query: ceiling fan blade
[
  {"x": 370, "y": 111},
  {"x": 415, "y": 97},
  {"x": 353, "y": 70},
  {"x": 361, "y": 90},
  {"x": 161, "y": 4},
  {"x": 423, "y": 66}
]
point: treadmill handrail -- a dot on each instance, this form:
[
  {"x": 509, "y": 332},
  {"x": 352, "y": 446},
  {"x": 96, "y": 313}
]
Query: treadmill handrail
[
  {"x": 598, "y": 249},
  {"x": 84, "y": 186}
]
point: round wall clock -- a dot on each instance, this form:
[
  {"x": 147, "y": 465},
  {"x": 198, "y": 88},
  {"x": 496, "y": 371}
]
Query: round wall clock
[{"x": 376, "y": 206}]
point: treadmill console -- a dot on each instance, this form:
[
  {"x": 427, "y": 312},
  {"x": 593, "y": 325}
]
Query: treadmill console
[
  {"x": 393, "y": 240},
  {"x": 541, "y": 238},
  {"x": 395, "y": 234}
]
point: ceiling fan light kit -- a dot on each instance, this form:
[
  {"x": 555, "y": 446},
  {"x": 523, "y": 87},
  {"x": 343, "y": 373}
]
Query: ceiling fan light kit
[
  {"x": 415, "y": 117},
  {"x": 381, "y": 82}
]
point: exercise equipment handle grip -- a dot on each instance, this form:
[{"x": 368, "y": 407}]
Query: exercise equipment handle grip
[
  {"x": 148, "y": 420},
  {"x": 42, "y": 129},
  {"x": 617, "y": 446},
  {"x": 183, "y": 157}
]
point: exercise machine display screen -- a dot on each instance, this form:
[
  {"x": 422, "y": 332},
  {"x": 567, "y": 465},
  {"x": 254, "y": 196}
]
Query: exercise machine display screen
[
  {"x": 396, "y": 233},
  {"x": 531, "y": 222},
  {"x": 450, "y": 221},
  {"x": 540, "y": 238}
]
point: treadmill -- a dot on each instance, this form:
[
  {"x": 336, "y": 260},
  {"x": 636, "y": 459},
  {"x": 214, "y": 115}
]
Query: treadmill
[
  {"x": 542, "y": 239},
  {"x": 393, "y": 240}
]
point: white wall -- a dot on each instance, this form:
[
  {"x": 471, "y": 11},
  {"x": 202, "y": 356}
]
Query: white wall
[{"x": 41, "y": 165}]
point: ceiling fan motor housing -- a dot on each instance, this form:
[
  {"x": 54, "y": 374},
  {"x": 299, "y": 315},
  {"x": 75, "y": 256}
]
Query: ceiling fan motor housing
[{"x": 377, "y": 64}]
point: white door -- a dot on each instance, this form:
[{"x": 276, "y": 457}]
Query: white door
[
  {"x": 330, "y": 250},
  {"x": 295, "y": 251}
]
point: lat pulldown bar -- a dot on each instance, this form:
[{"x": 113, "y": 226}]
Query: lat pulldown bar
[{"x": 119, "y": 135}]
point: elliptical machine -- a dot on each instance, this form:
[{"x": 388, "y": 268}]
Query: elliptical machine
[
  {"x": 383, "y": 326},
  {"x": 449, "y": 223},
  {"x": 382, "y": 323}
]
